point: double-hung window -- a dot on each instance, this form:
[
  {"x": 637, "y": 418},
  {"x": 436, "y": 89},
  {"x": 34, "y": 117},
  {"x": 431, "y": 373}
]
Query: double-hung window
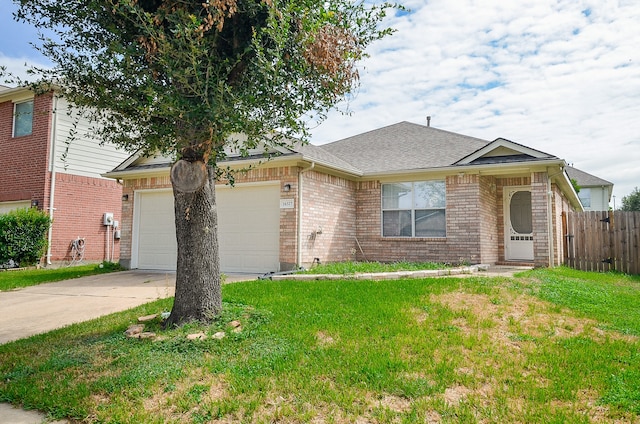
[
  {"x": 23, "y": 118},
  {"x": 414, "y": 209}
]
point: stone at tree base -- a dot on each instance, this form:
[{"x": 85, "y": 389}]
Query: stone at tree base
[
  {"x": 219, "y": 335},
  {"x": 146, "y": 335},
  {"x": 134, "y": 330},
  {"x": 147, "y": 318},
  {"x": 196, "y": 336}
]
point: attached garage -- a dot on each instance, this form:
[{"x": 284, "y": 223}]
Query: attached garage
[
  {"x": 248, "y": 228},
  {"x": 154, "y": 239}
]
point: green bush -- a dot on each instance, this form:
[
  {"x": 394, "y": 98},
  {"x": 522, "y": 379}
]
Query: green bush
[{"x": 23, "y": 236}]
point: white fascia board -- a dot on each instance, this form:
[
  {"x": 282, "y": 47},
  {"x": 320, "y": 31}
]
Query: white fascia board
[
  {"x": 17, "y": 94},
  {"x": 130, "y": 160},
  {"x": 137, "y": 173},
  {"x": 485, "y": 169}
]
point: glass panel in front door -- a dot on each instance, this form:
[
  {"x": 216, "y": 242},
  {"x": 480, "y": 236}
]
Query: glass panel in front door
[{"x": 520, "y": 237}]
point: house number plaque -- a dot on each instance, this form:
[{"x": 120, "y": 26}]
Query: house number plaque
[{"x": 286, "y": 203}]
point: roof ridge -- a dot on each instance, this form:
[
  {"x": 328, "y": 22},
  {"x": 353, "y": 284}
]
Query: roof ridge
[{"x": 407, "y": 123}]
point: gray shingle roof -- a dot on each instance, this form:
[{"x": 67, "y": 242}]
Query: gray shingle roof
[
  {"x": 314, "y": 153},
  {"x": 403, "y": 146},
  {"x": 584, "y": 179}
]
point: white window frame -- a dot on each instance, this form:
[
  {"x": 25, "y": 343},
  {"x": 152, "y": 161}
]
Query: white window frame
[
  {"x": 15, "y": 117},
  {"x": 413, "y": 209},
  {"x": 585, "y": 200}
]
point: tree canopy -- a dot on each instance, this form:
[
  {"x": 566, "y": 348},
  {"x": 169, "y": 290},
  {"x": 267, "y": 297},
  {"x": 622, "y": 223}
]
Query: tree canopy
[
  {"x": 632, "y": 201},
  {"x": 188, "y": 78},
  {"x": 183, "y": 76}
]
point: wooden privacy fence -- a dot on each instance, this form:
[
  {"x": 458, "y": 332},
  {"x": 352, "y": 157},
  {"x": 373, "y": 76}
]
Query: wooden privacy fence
[{"x": 602, "y": 241}]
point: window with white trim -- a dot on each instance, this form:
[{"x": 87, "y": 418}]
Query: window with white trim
[
  {"x": 414, "y": 209},
  {"x": 585, "y": 197},
  {"x": 23, "y": 118}
]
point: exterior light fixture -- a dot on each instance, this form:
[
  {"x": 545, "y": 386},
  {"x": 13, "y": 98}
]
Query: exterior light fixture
[{"x": 287, "y": 187}]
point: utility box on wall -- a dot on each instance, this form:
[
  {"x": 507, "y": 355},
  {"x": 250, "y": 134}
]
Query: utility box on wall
[{"x": 108, "y": 219}]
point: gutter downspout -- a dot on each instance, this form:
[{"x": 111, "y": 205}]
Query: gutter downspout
[
  {"x": 550, "y": 221},
  {"x": 299, "y": 223},
  {"x": 552, "y": 250},
  {"x": 52, "y": 184}
]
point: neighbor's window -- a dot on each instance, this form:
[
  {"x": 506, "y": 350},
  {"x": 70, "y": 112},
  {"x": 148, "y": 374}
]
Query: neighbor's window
[
  {"x": 414, "y": 209},
  {"x": 585, "y": 197},
  {"x": 23, "y": 119}
]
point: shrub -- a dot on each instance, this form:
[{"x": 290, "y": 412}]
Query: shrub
[{"x": 23, "y": 236}]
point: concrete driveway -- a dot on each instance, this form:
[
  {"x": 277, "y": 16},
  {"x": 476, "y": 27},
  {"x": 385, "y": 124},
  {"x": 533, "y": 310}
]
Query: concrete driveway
[{"x": 38, "y": 309}]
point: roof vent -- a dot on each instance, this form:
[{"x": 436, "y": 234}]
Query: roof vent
[{"x": 428, "y": 121}]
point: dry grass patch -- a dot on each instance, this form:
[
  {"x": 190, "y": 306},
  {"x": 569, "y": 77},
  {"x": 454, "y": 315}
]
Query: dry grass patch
[
  {"x": 178, "y": 402},
  {"x": 324, "y": 339},
  {"x": 514, "y": 316}
]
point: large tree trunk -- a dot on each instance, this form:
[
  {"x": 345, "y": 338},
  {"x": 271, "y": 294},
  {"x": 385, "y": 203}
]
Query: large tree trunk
[{"x": 198, "y": 292}]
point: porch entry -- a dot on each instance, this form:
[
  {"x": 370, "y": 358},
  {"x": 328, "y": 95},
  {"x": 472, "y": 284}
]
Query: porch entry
[{"x": 518, "y": 224}]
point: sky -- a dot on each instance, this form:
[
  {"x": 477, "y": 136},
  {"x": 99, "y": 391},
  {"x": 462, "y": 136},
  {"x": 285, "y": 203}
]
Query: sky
[{"x": 560, "y": 76}]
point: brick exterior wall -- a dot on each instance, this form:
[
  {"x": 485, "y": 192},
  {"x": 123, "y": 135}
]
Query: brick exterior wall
[
  {"x": 24, "y": 160},
  {"x": 469, "y": 239},
  {"x": 489, "y": 221},
  {"x": 348, "y": 213},
  {"x": 540, "y": 218},
  {"x": 80, "y": 203},
  {"x": 328, "y": 218}
]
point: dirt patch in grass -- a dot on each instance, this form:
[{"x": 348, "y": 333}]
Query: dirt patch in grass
[
  {"x": 456, "y": 394},
  {"x": 517, "y": 318},
  {"x": 324, "y": 339},
  {"x": 512, "y": 325},
  {"x": 178, "y": 402},
  {"x": 420, "y": 315},
  {"x": 390, "y": 402}
]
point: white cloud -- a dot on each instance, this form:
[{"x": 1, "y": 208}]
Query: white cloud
[
  {"x": 18, "y": 67},
  {"x": 561, "y": 76}
]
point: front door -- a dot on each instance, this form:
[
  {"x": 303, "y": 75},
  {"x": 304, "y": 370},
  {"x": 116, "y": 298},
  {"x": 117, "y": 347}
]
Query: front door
[{"x": 518, "y": 224}]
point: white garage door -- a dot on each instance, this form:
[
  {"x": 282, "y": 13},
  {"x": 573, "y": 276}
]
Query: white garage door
[
  {"x": 156, "y": 230},
  {"x": 248, "y": 229}
]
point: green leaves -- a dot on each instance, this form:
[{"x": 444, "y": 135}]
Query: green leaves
[
  {"x": 632, "y": 201},
  {"x": 173, "y": 75},
  {"x": 23, "y": 236}
]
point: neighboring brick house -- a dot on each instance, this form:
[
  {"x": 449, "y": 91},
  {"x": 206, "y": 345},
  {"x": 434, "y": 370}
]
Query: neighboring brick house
[
  {"x": 594, "y": 192},
  {"x": 402, "y": 192},
  {"x": 42, "y": 166}
]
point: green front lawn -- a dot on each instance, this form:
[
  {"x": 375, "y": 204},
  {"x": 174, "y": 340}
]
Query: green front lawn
[
  {"x": 492, "y": 350},
  {"x": 353, "y": 267},
  {"x": 10, "y": 280}
]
